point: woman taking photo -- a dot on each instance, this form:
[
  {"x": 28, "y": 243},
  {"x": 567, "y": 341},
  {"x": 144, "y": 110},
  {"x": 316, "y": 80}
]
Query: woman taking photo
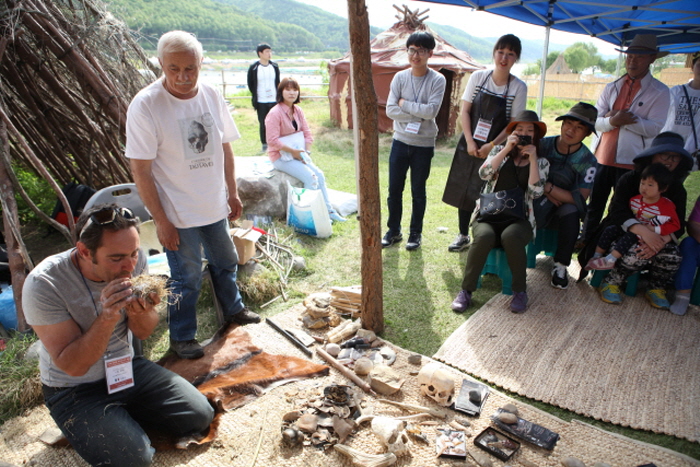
[
  {"x": 516, "y": 175},
  {"x": 490, "y": 101},
  {"x": 289, "y": 142}
]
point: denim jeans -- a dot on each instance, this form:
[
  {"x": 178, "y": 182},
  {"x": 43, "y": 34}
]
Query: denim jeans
[
  {"x": 108, "y": 429},
  {"x": 402, "y": 158},
  {"x": 311, "y": 176},
  {"x": 186, "y": 274},
  {"x": 690, "y": 250}
]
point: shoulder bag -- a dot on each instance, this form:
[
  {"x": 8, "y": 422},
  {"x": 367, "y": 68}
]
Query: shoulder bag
[{"x": 502, "y": 207}]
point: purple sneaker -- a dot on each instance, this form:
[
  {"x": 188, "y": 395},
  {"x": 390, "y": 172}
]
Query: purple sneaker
[
  {"x": 462, "y": 302},
  {"x": 519, "y": 302}
]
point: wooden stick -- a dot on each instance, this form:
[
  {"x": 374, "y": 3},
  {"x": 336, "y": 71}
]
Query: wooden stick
[{"x": 345, "y": 371}]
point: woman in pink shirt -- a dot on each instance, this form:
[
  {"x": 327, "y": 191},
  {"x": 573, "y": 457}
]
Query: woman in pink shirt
[{"x": 289, "y": 142}]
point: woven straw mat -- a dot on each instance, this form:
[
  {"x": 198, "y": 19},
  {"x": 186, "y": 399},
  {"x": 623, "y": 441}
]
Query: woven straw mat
[
  {"x": 250, "y": 436},
  {"x": 630, "y": 364}
]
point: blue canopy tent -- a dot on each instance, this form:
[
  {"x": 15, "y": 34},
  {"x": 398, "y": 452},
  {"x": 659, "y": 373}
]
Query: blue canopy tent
[{"x": 675, "y": 23}]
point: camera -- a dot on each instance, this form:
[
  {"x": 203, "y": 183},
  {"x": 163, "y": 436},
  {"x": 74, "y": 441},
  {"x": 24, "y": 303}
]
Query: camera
[{"x": 524, "y": 140}]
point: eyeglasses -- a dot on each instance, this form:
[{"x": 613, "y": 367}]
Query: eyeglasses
[
  {"x": 106, "y": 216},
  {"x": 666, "y": 157},
  {"x": 411, "y": 51}
]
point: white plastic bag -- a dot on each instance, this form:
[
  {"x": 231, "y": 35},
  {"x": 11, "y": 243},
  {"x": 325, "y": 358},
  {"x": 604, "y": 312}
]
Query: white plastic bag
[{"x": 307, "y": 212}]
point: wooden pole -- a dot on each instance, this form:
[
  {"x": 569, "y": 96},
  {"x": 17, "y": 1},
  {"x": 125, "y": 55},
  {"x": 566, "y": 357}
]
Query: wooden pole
[
  {"x": 16, "y": 254},
  {"x": 365, "y": 121}
]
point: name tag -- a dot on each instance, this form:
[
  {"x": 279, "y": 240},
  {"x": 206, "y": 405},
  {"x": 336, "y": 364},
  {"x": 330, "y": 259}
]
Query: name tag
[
  {"x": 482, "y": 130},
  {"x": 413, "y": 128},
  {"x": 119, "y": 374}
]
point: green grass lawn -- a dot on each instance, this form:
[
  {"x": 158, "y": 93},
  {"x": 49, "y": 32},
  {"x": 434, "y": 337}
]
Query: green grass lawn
[{"x": 418, "y": 286}]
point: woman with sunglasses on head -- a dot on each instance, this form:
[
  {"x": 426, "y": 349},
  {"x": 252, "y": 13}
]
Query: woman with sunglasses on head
[
  {"x": 491, "y": 100},
  {"x": 515, "y": 175},
  {"x": 657, "y": 253},
  {"x": 289, "y": 142}
]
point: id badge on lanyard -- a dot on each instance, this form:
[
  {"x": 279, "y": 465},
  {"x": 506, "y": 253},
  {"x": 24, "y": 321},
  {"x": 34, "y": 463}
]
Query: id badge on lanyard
[
  {"x": 119, "y": 373},
  {"x": 482, "y": 130}
]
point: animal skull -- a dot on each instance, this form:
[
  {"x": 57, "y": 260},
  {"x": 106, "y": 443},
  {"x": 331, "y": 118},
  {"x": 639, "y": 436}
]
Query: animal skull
[
  {"x": 437, "y": 384},
  {"x": 392, "y": 433}
]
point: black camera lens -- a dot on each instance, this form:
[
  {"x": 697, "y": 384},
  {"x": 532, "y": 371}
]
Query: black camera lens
[{"x": 524, "y": 140}]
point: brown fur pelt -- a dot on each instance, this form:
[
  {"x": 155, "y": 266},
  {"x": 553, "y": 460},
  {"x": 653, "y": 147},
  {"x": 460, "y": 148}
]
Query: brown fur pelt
[{"x": 233, "y": 372}]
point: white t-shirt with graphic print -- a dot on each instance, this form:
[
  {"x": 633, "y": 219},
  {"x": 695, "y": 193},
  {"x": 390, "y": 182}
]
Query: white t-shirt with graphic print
[{"x": 183, "y": 138}]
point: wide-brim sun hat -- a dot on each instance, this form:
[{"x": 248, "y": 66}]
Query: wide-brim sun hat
[
  {"x": 643, "y": 44},
  {"x": 584, "y": 113},
  {"x": 527, "y": 116},
  {"x": 668, "y": 142}
]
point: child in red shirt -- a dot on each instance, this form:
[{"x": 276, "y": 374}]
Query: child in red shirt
[{"x": 657, "y": 213}]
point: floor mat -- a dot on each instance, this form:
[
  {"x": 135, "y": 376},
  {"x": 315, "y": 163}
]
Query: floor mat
[{"x": 630, "y": 364}]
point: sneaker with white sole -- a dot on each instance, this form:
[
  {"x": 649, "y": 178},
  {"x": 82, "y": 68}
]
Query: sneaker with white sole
[
  {"x": 604, "y": 263},
  {"x": 461, "y": 243},
  {"x": 560, "y": 278}
]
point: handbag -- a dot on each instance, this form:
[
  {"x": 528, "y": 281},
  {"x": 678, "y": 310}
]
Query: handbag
[{"x": 502, "y": 207}]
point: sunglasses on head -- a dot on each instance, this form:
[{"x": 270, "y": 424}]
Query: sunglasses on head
[{"x": 106, "y": 216}]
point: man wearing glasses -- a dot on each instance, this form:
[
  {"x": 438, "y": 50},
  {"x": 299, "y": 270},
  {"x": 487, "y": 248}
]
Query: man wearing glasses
[
  {"x": 80, "y": 305},
  {"x": 414, "y": 100},
  {"x": 178, "y": 139}
]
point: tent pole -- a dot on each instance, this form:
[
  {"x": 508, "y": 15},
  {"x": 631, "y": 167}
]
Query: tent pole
[
  {"x": 543, "y": 70},
  {"x": 365, "y": 121}
]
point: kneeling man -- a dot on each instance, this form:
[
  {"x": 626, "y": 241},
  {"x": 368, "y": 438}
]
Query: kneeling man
[{"x": 81, "y": 307}]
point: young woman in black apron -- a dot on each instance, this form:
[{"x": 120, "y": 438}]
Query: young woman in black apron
[{"x": 484, "y": 120}]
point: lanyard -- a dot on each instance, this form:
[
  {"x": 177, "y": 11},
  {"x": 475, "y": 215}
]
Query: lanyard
[{"x": 415, "y": 95}]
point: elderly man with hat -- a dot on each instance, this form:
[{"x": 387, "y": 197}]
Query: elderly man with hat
[
  {"x": 571, "y": 173},
  {"x": 657, "y": 253},
  {"x": 631, "y": 112}
]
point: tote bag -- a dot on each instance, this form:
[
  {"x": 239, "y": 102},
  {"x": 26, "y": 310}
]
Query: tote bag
[{"x": 307, "y": 212}]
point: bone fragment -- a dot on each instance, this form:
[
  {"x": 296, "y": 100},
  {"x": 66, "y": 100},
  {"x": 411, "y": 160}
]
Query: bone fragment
[
  {"x": 366, "y": 460},
  {"x": 439, "y": 413},
  {"x": 345, "y": 371}
]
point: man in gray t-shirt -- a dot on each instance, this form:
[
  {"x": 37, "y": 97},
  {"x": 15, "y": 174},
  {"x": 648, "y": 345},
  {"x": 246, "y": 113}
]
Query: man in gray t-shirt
[
  {"x": 415, "y": 97},
  {"x": 80, "y": 304}
]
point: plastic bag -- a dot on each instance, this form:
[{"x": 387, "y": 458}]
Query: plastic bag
[{"x": 307, "y": 212}]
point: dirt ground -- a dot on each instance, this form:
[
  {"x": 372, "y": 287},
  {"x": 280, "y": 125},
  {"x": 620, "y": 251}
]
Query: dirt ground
[{"x": 42, "y": 241}]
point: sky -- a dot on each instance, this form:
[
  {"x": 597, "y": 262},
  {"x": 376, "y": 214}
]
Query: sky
[{"x": 480, "y": 24}]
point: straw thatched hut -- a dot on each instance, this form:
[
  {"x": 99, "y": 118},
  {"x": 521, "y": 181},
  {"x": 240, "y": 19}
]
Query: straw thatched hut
[{"x": 389, "y": 56}]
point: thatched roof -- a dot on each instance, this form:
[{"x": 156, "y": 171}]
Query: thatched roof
[{"x": 69, "y": 70}]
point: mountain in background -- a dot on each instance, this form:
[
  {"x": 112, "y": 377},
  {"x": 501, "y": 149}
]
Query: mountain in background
[
  {"x": 288, "y": 26},
  {"x": 331, "y": 29}
]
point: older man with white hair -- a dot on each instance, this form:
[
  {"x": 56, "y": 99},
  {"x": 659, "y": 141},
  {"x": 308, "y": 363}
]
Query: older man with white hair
[{"x": 178, "y": 138}]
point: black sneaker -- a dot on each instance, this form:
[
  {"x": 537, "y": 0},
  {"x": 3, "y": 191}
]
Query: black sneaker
[
  {"x": 413, "y": 242},
  {"x": 461, "y": 243},
  {"x": 243, "y": 317},
  {"x": 560, "y": 279},
  {"x": 189, "y": 350},
  {"x": 390, "y": 238}
]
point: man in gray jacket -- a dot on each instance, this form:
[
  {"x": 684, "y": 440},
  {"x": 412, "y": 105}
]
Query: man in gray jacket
[{"x": 414, "y": 100}]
